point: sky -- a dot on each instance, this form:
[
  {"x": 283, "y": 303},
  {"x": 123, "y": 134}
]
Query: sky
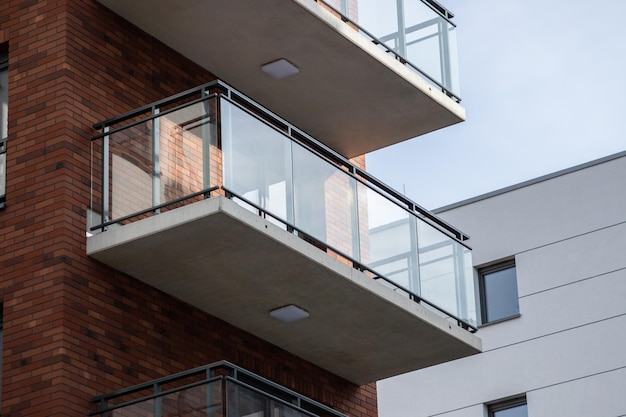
[{"x": 544, "y": 87}]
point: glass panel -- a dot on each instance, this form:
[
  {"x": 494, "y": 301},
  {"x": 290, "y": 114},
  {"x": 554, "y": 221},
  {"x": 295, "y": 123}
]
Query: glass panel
[
  {"x": 244, "y": 402},
  {"x": 446, "y": 274},
  {"x": 380, "y": 18},
  {"x": 142, "y": 409},
  {"x": 94, "y": 212},
  {"x": 518, "y": 411},
  {"x": 4, "y": 109},
  {"x": 423, "y": 36},
  {"x": 131, "y": 170},
  {"x": 392, "y": 246},
  {"x": 3, "y": 162},
  {"x": 257, "y": 161},
  {"x": 183, "y": 151},
  {"x": 324, "y": 201},
  {"x": 500, "y": 289},
  {"x": 200, "y": 401},
  {"x": 4, "y": 98},
  {"x": 454, "y": 82}
]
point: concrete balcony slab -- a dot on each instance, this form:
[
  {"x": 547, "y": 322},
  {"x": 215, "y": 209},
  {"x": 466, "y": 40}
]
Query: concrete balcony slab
[{"x": 237, "y": 266}]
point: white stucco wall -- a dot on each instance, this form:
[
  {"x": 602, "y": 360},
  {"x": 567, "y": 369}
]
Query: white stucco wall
[{"x": 567, "y": 351}]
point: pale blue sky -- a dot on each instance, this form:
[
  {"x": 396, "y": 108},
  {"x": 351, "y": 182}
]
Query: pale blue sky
[{"x": 544, "y": 87}]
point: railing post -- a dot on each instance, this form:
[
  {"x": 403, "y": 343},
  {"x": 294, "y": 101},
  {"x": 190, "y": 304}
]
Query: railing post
[
  {"x": 157, "y": 406},
  {"x": 106, "y": 216},
  {"x": 156, "y": 160},
  {"x": 401, "y": 47},
  {"x": 103, "y": 406}
]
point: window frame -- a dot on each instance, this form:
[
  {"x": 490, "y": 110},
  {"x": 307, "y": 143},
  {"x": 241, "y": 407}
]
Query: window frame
[
  {"x": 4, "y": 66},
  {"x": 482, "y": 272},
  {"x": 493, "y": 408}
]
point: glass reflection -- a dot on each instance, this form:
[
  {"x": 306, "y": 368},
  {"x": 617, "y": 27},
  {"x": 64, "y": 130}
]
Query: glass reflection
[{"x": 257, "y": 162}]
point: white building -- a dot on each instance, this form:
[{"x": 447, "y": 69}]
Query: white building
[{"x": 554, "y": 333}]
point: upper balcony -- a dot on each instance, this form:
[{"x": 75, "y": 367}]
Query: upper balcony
[
  {"x": 371, "y": 72},
  {"x": 219, "y": 202}
]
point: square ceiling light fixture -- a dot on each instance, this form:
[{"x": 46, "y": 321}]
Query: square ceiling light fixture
[
  {"x": 289, "y": 314},
  {"x": 280, "y": 69}
]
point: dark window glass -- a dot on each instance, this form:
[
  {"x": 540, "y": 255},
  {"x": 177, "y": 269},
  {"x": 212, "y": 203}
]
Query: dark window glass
[
  {"x": 511, "y": 408},
  {"x": 498, "y": 287},
  {"x": 4, "y": 99}
]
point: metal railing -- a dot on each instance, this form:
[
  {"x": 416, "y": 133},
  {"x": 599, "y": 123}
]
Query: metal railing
[
  {"x": 213, "y": 140},
  {"x": 418, "y": 33},
  {"x": 219, "y": 389}
]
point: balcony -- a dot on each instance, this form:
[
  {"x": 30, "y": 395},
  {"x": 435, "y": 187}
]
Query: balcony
[
  {"x": 219, "y": 202},
  {"x": 365, "y": 80},
  {"x": 217, "y": 390}
]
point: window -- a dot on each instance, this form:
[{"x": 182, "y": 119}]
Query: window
[
  {"x": 1, "y": 345},
  {"x": 511, "y": 408},
  {"x": 498, "y": 292},
  {"x": 4, "y": 99}
]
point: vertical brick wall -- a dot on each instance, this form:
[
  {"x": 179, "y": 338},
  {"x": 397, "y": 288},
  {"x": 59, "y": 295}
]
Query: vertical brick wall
[{"x": 75, "y": 328}]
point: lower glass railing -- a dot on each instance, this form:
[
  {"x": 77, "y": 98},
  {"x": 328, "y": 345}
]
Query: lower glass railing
[{"x": 217, "y": 390}]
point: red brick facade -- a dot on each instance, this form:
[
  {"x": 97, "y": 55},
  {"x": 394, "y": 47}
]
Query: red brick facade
[{"x": 74, "y": 328}]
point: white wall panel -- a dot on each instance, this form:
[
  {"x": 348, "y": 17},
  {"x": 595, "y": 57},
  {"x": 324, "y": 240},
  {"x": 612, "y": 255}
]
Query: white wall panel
[
  {"x": 500, "y": 373},
  {"x": 542, "y": 213},
  {"x": 594, "y": 396},
  {"x": 573, "y": 259},
  {"x": 561, "y": 308}
]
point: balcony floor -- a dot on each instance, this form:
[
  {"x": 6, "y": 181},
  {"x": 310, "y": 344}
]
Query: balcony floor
[
  {"x": 350, "y": 94},
  {"x": 237, "y": 266}
]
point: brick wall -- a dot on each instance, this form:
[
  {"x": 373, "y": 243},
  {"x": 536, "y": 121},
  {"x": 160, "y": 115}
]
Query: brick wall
[{"x": 74, "y": 328}]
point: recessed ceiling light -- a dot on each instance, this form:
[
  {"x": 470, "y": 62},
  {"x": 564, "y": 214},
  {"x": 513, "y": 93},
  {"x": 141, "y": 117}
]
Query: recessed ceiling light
[
  {"x": 280, "y": 69},
  {"x": 289, "y": 314}
]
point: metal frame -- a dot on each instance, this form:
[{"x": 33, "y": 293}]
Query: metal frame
[
  {"x": 501, "y": 266},
  {"x": 4, "y": 66},
  {"x": 3, "y": 151},
  {"x": 235, "y": 374},
  {"x": 506, "y": 404}
]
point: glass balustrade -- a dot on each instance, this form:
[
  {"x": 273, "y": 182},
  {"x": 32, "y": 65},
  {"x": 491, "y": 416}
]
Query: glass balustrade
[
  {"x": 216, "y": 145},
  {"x": 216, "y": 390},
  {"x": 417, "y": 31}
]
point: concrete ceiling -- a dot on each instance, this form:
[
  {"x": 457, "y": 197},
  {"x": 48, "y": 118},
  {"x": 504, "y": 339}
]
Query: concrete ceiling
[
  {"x": 235, "y": 265},
  {"x": 349, "y": 94}
]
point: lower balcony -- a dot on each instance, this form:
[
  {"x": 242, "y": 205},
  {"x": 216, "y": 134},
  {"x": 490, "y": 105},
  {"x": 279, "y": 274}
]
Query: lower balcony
[
  {"x": 217, "y": 390},
  {"x": 212, "y": 199}
]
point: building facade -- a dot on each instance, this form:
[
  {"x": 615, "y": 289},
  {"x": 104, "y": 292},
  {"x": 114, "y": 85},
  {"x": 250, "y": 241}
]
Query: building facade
[
  {"x": 186, "y": 224},
  {"x": 549, "y": 260}
]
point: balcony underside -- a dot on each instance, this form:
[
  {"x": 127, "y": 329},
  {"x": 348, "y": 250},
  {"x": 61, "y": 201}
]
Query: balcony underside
[
  {"x": 350, "y": 94},
  {"x": 237, "y": 266}
]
